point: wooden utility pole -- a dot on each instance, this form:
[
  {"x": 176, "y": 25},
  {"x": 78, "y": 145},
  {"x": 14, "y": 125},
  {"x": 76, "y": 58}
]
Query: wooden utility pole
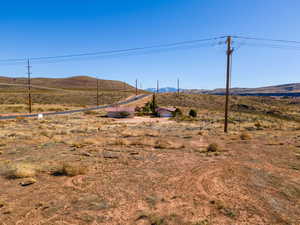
[
  {"x": 136, "y": 87},
  {"x": 29, "y": 87},
  {"x": 124, "y": 87},
  {"x": 97, "y": 91},
  {"x": 228, "y": 80},
  {"x": 178, "y": 86}
]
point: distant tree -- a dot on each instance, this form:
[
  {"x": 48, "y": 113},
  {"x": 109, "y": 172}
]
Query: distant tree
[
  {"x": 153, "y": 105},
  {"x": 193, "y": 113}
]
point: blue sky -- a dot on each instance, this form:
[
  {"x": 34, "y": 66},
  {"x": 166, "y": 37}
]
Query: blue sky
[{"x": 58, "y": 27}]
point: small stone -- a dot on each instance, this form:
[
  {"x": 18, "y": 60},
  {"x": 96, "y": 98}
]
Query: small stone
[
  {"x": 2, "y": 203},
  {"x": 110, "y": 155},
  {"x": 27, "y": 182}
]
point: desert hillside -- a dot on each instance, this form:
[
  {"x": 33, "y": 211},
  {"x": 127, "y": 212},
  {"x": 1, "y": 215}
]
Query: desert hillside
[{"x": 76, "y": 82}]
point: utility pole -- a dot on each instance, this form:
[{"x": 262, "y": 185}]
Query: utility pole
[
  {"x": 97, "y": 91},
  {"x": 228, "y": 80},
  {"x": 178, "y": 86},
  {"x": 29, "y": 87},
  {"x": 157, "y": 86},
  {"x": 124, "y": 88},
  {"x": 136, "y": 87}
]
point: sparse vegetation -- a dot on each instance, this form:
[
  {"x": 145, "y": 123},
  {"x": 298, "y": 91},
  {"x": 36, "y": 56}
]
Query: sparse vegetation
[
  {"x": 212, "y": 147},
  {"x": 177, "y": 113},
  {"x": 70, "y": 169},
  {"x": 20, "y": 170},
  {"x": 245, "y": 136},
  {"x": 112, "y": 166},
  {"x": 193, "y": 113}
]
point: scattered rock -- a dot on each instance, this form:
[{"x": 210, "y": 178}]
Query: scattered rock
[
  {"x": 110, "y": 155},
  {"x": 28, "y": 182},
  {"x": 2, "y": 204}
]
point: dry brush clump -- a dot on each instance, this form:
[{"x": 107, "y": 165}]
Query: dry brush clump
[
  {"x": 245, "y": 136},
  {"x": 70, "y": 169},
  {"x": 163, "y": 143},
  {"x": 143, "y": 141},
  {"x": 91, "y": 112},
  {"x": 214, "y": 147},
  {"x": 20, "y": 170}
]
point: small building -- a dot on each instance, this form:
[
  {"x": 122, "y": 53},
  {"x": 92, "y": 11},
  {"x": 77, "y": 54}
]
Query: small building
[
  {"x": 165, "y": 112},
  {"x": 120, "y": 112}
]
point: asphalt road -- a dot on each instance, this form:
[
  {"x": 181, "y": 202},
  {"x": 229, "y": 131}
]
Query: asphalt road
[{"x": 135, "y": 98}]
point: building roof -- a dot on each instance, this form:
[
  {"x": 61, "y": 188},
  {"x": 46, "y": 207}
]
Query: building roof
[
  {"x": 120, "y": 109},
  {"x": 165, "y": 109}
]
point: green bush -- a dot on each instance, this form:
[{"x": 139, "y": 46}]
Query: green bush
[
  {"x": 193, "y": 113},
  {"x": 151, "y": 106}
]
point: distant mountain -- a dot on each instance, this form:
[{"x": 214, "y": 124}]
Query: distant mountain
[
  {"x": 284, "y": 89},
  {"x": 163, "y": 90}
]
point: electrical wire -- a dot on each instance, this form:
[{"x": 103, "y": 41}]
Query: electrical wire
[
  {"x": 113, "y": 51},
  {"x": 266, "y": 39},
  {"x": 116, "y": 55},
  {"x": 286, "y": 47}
]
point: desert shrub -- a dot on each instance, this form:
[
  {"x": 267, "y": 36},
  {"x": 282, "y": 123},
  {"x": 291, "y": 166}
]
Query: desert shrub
[
  {"x": 258, "y": 125},
  {"x": 193, "y": 113},
  {"x": 212, "y": 147},
  {"x": 138, "y": 109},
  {"x": 124, "y": 113},
  {"x": 146, "y": 108},
  {"x": 20, "y": 170},
  {"x": 90, "y": 112},
  {"x": 245, "y": 136},
  {"x": 183, "y": 118},
  {"x": 70, "y": 169},
  {"x": 177, "y": 112}
]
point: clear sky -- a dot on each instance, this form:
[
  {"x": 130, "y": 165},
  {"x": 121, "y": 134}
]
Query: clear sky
[{"x": 57, "y": 27}]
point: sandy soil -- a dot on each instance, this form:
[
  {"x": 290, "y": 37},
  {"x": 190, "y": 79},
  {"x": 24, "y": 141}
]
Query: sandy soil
[{"x": 147, "y": 171}]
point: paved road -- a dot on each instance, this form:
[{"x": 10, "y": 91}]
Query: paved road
[{"x": 132, "y": 99}]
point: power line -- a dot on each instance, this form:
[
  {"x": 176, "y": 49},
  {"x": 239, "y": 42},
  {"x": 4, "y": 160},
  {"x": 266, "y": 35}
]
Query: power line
[
  {"x": 287, "y": 47},
  {"x": 115, "y": 55},
  {"x": 113, "y": 51},
  {"x": 266, "y": 39}
]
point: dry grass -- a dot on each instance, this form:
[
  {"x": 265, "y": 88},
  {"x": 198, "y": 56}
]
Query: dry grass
[
  {"x": 70, "y": 169},
  {"x": 20, "y": 170},
  {"x": 91, "y": 112},
  {"x": 95, "y": 141},
  {"x": 245, "y": 136},
  {"x": 214, "y": 147},
  {"x": 125, "y": 173}
]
